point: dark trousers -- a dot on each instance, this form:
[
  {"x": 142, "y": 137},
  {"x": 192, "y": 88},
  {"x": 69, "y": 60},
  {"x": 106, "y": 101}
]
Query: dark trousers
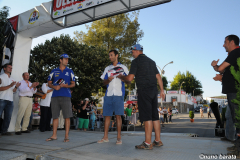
[
  {"x": 45, "y": 119},
  {"x": 170, "y": 118},
  {"x": 6, "y": 107},
  {"x": 209, "y": 114},
  {"x": 165, "y": 118},
  {"x": 233, "y": 107}
]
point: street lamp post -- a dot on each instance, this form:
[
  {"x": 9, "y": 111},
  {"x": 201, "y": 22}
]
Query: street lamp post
[
  {"x": 161, "y": 73},
  {"x": 180, "y": 95}
]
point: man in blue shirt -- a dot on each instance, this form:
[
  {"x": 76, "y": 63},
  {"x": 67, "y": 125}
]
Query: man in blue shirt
[{"x": 61, "y": 80}]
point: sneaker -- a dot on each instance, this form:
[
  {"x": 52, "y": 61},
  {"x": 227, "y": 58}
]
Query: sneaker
[
  {"x": 224, "y": 139},
  {"x": 232, "y": 149},
  {"x": 144, "y": 146},
  {"x": 27, "y": 131},
  {"x": 6, "y": 134},
  {"x": 236, "y": 153},
  {"x": 18, "y": 133},
  {"x": 157, "y": 144}
]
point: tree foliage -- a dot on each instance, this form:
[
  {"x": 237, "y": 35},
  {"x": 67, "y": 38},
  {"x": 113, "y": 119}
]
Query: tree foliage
[
  {"x": 87, "y": 63},
  {"x": 4, "y": 13},
  {"x": 190, "y": 83},
  {"x": 237, "y": 99},
  {"x": 117, "y": 32}
]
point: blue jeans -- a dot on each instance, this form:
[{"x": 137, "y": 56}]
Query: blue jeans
[
  {"x": 230, "y": 127},
  {"x": 233, "y": 107},
  {"x": 92, "y": 123},
  {"x": 7, "y": 107},
  {"x": 77, "y": 123}
]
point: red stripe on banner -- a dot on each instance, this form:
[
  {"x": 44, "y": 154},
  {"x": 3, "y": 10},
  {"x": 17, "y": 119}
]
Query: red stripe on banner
[
  {"x": 59, "y": 4},
  {"x": 14, "y": 22}
]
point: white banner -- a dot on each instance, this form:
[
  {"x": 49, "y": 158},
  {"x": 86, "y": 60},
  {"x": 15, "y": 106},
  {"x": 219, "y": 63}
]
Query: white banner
[{"x": 65, "y": 7}]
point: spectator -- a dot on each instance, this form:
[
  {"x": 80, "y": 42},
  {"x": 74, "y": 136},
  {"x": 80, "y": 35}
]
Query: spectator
[
  {"x": 209, "y": 112},
  {"x": 93, "y": 117},
  {"x": 83, "y": 115},
  {"x": 45, "y": 109},
  {"x": 160, "y": 112},
  {"x": 78, "y": 114},
  {"x": 26, "y": 91},
  {"x": 99, "y": 118},
  {"x": 170, "y": 114},
  {"x": 165, "y": 114},
  {"x": 128, "y": 113},
  {"x": 201, "y": 112},
  {"x": 7, "y": 87},
  {"x": 134, "y": 120}
]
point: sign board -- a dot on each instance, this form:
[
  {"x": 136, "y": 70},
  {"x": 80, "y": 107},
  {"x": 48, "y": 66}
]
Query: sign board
[
  {"x": 172, "y": 92},
  {"x": 64, "y": 7}
]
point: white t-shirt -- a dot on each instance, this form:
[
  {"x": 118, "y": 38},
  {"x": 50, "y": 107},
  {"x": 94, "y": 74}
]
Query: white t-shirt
[
  {"x": 160, "y": 114},
  {"x": 116, "y": 87},
  {"x": 7, "y": 94},
  {"x": 46, "y": 102},
  {"x": 165, "y": 111}
]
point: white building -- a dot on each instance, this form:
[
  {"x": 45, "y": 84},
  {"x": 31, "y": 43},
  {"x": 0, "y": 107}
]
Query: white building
[{"x": 221, "y": 100}]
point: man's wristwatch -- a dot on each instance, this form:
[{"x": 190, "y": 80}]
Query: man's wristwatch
[{"x": 16, "y": 87}]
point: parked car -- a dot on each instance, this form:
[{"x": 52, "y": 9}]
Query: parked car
[
  {"x": 174, "y": 111},
  {"x": 197, "y": 109}
]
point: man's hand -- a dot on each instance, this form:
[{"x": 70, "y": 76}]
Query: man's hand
[
  {"x": 63, "y": 85},
  {"x": 35, "y": 84},
  {"x": 57, "y": 87},
  {"x": 162, "y": 95},
  {"x": 218, "y": 77},
  {"x": 110, "y": 78},
  {"x": 18, "y": 84},
  {"x": 214, "y": 63},
  {"x": 12, "y": 84}
]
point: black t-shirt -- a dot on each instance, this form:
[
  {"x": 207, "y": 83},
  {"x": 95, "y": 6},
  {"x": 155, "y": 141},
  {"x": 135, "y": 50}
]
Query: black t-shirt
[
  {"x": 145, "y": 71},
  {"x": 228, "y": 81},
  {"x": 84, "y": 113}
]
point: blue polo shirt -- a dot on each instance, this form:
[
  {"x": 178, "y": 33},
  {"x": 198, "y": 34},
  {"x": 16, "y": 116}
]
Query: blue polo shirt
[{"x": 64, "y": 77}]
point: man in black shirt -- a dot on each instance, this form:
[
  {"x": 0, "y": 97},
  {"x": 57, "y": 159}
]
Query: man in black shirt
[
  {"x": 146, "y": 75},
  {"x": 231, "y": 44}
]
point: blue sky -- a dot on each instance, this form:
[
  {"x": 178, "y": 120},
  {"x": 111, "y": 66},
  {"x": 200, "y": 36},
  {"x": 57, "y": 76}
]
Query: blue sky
[{"x": 189, "y": 32}]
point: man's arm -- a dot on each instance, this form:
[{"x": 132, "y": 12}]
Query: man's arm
[
  {"x": 127, "y": 79},
  {"x": 52, "y": 86},
  {"x": 220, "y": 68},
  {"x": 159, "y": 79},
  {"x": 107, "y": 81},
  {"x": 16, "y": 86},
  {"x": 68, "y": 86},
  {"x": 7, "y": 87}
]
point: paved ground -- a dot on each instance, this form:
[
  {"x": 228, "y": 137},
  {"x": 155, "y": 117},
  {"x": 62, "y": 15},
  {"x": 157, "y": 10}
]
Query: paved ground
[
  {"x": 83, "y": 146},
  {"x": 203, "y": 127}
]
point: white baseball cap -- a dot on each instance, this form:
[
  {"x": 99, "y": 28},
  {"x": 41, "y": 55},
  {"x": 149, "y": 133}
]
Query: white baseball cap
[{"x": 86, "y": 99}]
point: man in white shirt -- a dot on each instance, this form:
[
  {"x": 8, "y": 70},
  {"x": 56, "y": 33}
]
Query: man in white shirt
[
  {"x": 26, "y": 91},
  {"x": 114, "y": 97},
  {"x": 46, "y": 113},
  {"x": 7, "y": 87}
]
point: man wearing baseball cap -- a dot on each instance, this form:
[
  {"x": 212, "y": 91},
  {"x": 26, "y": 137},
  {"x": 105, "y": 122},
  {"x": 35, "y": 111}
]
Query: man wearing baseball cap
[
  {"x": 146, "y": 75},
  {"x": 61, "y": 80}
]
